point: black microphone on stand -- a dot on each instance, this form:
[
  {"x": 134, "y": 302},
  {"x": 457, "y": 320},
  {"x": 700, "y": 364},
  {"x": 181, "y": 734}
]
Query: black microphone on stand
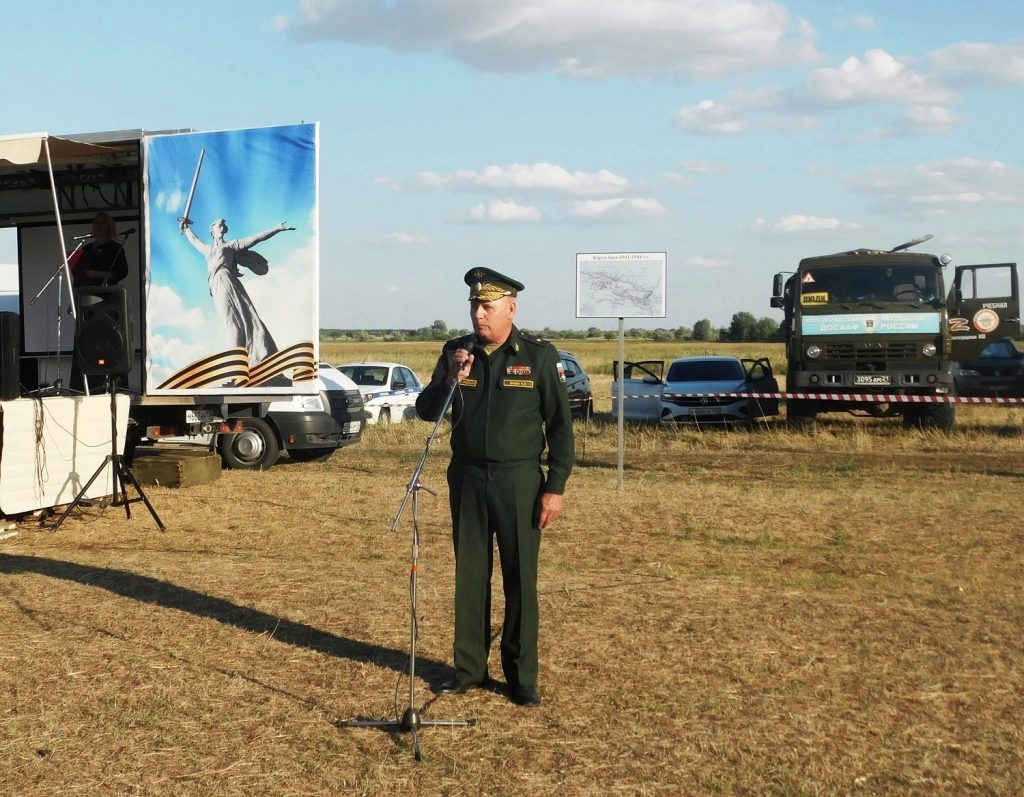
[{"x": 126, "y": 233}]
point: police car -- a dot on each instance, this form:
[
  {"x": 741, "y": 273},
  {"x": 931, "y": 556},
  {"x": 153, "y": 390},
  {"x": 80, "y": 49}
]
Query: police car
[{"x": 389, "y": 390}]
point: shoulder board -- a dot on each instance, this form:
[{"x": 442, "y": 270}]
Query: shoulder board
[{"x": 526, "y": 336}]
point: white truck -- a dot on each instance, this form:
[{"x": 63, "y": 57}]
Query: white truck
[{"x": 216, "y": 318}]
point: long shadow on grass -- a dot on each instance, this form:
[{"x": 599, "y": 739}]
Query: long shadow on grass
[{"x": 171, "y": 596}]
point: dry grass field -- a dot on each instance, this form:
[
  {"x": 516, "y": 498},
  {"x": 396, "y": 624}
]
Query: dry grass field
[{"x": 756, "y": 612}]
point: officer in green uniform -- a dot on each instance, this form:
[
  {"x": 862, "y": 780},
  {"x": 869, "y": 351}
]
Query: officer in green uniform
[{"x": 509, "y": 402}]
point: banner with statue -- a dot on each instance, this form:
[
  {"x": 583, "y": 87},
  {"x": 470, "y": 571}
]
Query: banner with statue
[{"x": 232, "y": 283}]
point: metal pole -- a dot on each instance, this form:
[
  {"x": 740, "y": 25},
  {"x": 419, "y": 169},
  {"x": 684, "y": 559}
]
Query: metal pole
[{"x": 622, "y": 396}]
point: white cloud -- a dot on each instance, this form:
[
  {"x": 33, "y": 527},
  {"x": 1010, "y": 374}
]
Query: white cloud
[
  {"x": 402, "y": 239},
  {"x": 677, "y": 180},
  {"x": 527, "y": 178},
  {"x": 170, "y": 201},
  {"x": 862, "y": 22},
  {"x": 696, "y": 261},
  {"x": 577, "y": 38},
  {"x": 504, "y": 211},
  {"x": 798, "y": 224},
  {"x": 992, "y": 63},
  {"x": 388, "y": 182},
  {"x": 930, "y": 118},
  {"x": 165, "y": 308},
  {"x": 878, "y": 77},
  {"x": 706, "y": 167},
  {"x": 711, "y": 118},
  {"x": 945, "y": 186},
  {"x": 165, "y": 355},
  {"x": 617, "y": 208}
]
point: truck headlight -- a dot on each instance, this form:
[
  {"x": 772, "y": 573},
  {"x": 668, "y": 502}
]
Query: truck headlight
[
  {"x": 312, "y": 403},
  {"x": 814, "y": 351},
  {"x": 928, "y": 350}
]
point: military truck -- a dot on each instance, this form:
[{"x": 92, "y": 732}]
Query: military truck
[{"x": 869, "y": 328}]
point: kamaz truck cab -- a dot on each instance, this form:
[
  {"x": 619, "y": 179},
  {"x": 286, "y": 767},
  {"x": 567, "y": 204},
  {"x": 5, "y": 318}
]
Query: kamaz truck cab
[{"x": 866, "y": 325}]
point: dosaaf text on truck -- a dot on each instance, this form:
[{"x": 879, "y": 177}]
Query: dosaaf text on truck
[{"x": 876, "y": 332}]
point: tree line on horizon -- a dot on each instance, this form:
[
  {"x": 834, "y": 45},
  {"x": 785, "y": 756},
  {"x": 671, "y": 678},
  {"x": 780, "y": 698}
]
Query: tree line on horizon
[{"x": 743, "y": 328}]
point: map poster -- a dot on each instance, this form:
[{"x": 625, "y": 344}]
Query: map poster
[{"x": 621, "y": 285}]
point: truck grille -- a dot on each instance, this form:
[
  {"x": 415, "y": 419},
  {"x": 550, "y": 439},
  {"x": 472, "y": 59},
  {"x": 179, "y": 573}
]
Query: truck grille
[{"x": 894, "y": 350}]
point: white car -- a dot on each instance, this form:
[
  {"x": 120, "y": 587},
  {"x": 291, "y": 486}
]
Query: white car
[
  {"x": 697, "y": 390},
  {"x": 389, "y": 390}
]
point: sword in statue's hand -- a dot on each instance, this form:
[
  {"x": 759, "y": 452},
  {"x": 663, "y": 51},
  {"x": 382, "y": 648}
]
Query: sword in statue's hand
[{"x": 184, "y": 220}]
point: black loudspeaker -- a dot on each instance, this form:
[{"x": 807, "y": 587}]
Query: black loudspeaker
[
  {"x": 103, "y": 342},
  {"x": 10, "y": 356}
]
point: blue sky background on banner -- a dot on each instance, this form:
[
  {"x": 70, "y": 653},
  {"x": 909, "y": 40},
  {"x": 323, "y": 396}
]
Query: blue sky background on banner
[
  {"x": 254, "y": 179},
  {"x": 736, "y": 135}
]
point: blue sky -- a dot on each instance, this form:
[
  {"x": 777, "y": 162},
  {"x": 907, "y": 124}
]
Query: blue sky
[{"x": 737, "y": 137}]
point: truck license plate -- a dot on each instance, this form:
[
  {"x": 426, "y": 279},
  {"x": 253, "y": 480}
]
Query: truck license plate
[
  {"x": 872, "y": 379},
  {"x": 351, "y": 427},
  {"x": 200, "y": 416}
]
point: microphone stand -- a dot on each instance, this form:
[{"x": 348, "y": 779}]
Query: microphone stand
[{"x": 411, "y": 722}]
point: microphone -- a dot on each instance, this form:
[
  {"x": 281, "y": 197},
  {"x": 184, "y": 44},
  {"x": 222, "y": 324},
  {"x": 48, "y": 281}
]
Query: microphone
[
  {"x": 82, "y": 237},
  {"x": 126, "y": 233},
  {"x": 469, "y": 342}
]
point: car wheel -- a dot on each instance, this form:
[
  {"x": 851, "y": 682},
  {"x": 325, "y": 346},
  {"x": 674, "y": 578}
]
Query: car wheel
[
  {"x": 254, "y": 448},
  {"x": 588, "y": 409},
  {"x": 384, "y": 416},
  {"x": 311, "y": 454}
]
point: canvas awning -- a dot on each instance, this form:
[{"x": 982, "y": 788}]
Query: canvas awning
[{"x": 17, "y": 152}]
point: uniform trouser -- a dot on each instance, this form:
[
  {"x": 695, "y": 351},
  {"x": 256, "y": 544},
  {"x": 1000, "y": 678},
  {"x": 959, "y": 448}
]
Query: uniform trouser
[{"x": 500, "y": 501}]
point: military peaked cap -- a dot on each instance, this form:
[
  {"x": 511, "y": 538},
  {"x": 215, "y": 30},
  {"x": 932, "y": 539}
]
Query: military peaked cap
[{"x": 487, "y": 285}]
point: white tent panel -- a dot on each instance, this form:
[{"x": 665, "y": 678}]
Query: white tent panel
[{"x": 42, "y": 464}]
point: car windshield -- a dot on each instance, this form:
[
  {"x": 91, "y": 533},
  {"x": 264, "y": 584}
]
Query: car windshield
[
  {"x": 370, "y": 375},
  {"x": 877, "y": 283},
  {"x": 705, "y": 371},
  {"x": 1000, "y": 348}
]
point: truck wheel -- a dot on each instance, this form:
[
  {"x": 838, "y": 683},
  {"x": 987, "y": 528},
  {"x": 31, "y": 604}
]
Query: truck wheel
[
  {"x": 930, "y": 416},
  {"x": 254, "y": 448},
  {"x": 802, "y": 415},
  {"x": 939, "y": 416},
  {"x": 311, "y": 454}
]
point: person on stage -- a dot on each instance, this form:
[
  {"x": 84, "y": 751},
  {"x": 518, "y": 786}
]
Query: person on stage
[
  {"x": 100, "y": 263},
  {"x": 510, "y": 403},
  {"x": 102, "y": 260}
]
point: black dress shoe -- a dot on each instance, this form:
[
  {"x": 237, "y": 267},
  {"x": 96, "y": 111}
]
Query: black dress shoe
[
  {"x": 526, "y": 696},
  {"x": 456, "y": 685}
]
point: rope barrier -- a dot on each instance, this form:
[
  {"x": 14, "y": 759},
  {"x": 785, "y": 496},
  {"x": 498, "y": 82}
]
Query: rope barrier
[{"x": 870, "y": 397}]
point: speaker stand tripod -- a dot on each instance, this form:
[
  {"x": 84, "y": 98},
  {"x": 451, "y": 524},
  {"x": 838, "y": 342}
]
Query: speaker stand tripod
[
  {"x": 121, "y": 472},
  {"x": 411, "y": 721}
]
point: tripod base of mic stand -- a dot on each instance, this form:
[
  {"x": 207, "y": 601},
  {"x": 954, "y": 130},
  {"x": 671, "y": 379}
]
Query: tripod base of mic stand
[
  {"x": 411, "y": 722},
  {"x": 123, "y": 476}
]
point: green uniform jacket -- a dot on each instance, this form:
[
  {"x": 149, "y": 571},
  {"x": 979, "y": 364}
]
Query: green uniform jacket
[{"x": 509, "y": 404}]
